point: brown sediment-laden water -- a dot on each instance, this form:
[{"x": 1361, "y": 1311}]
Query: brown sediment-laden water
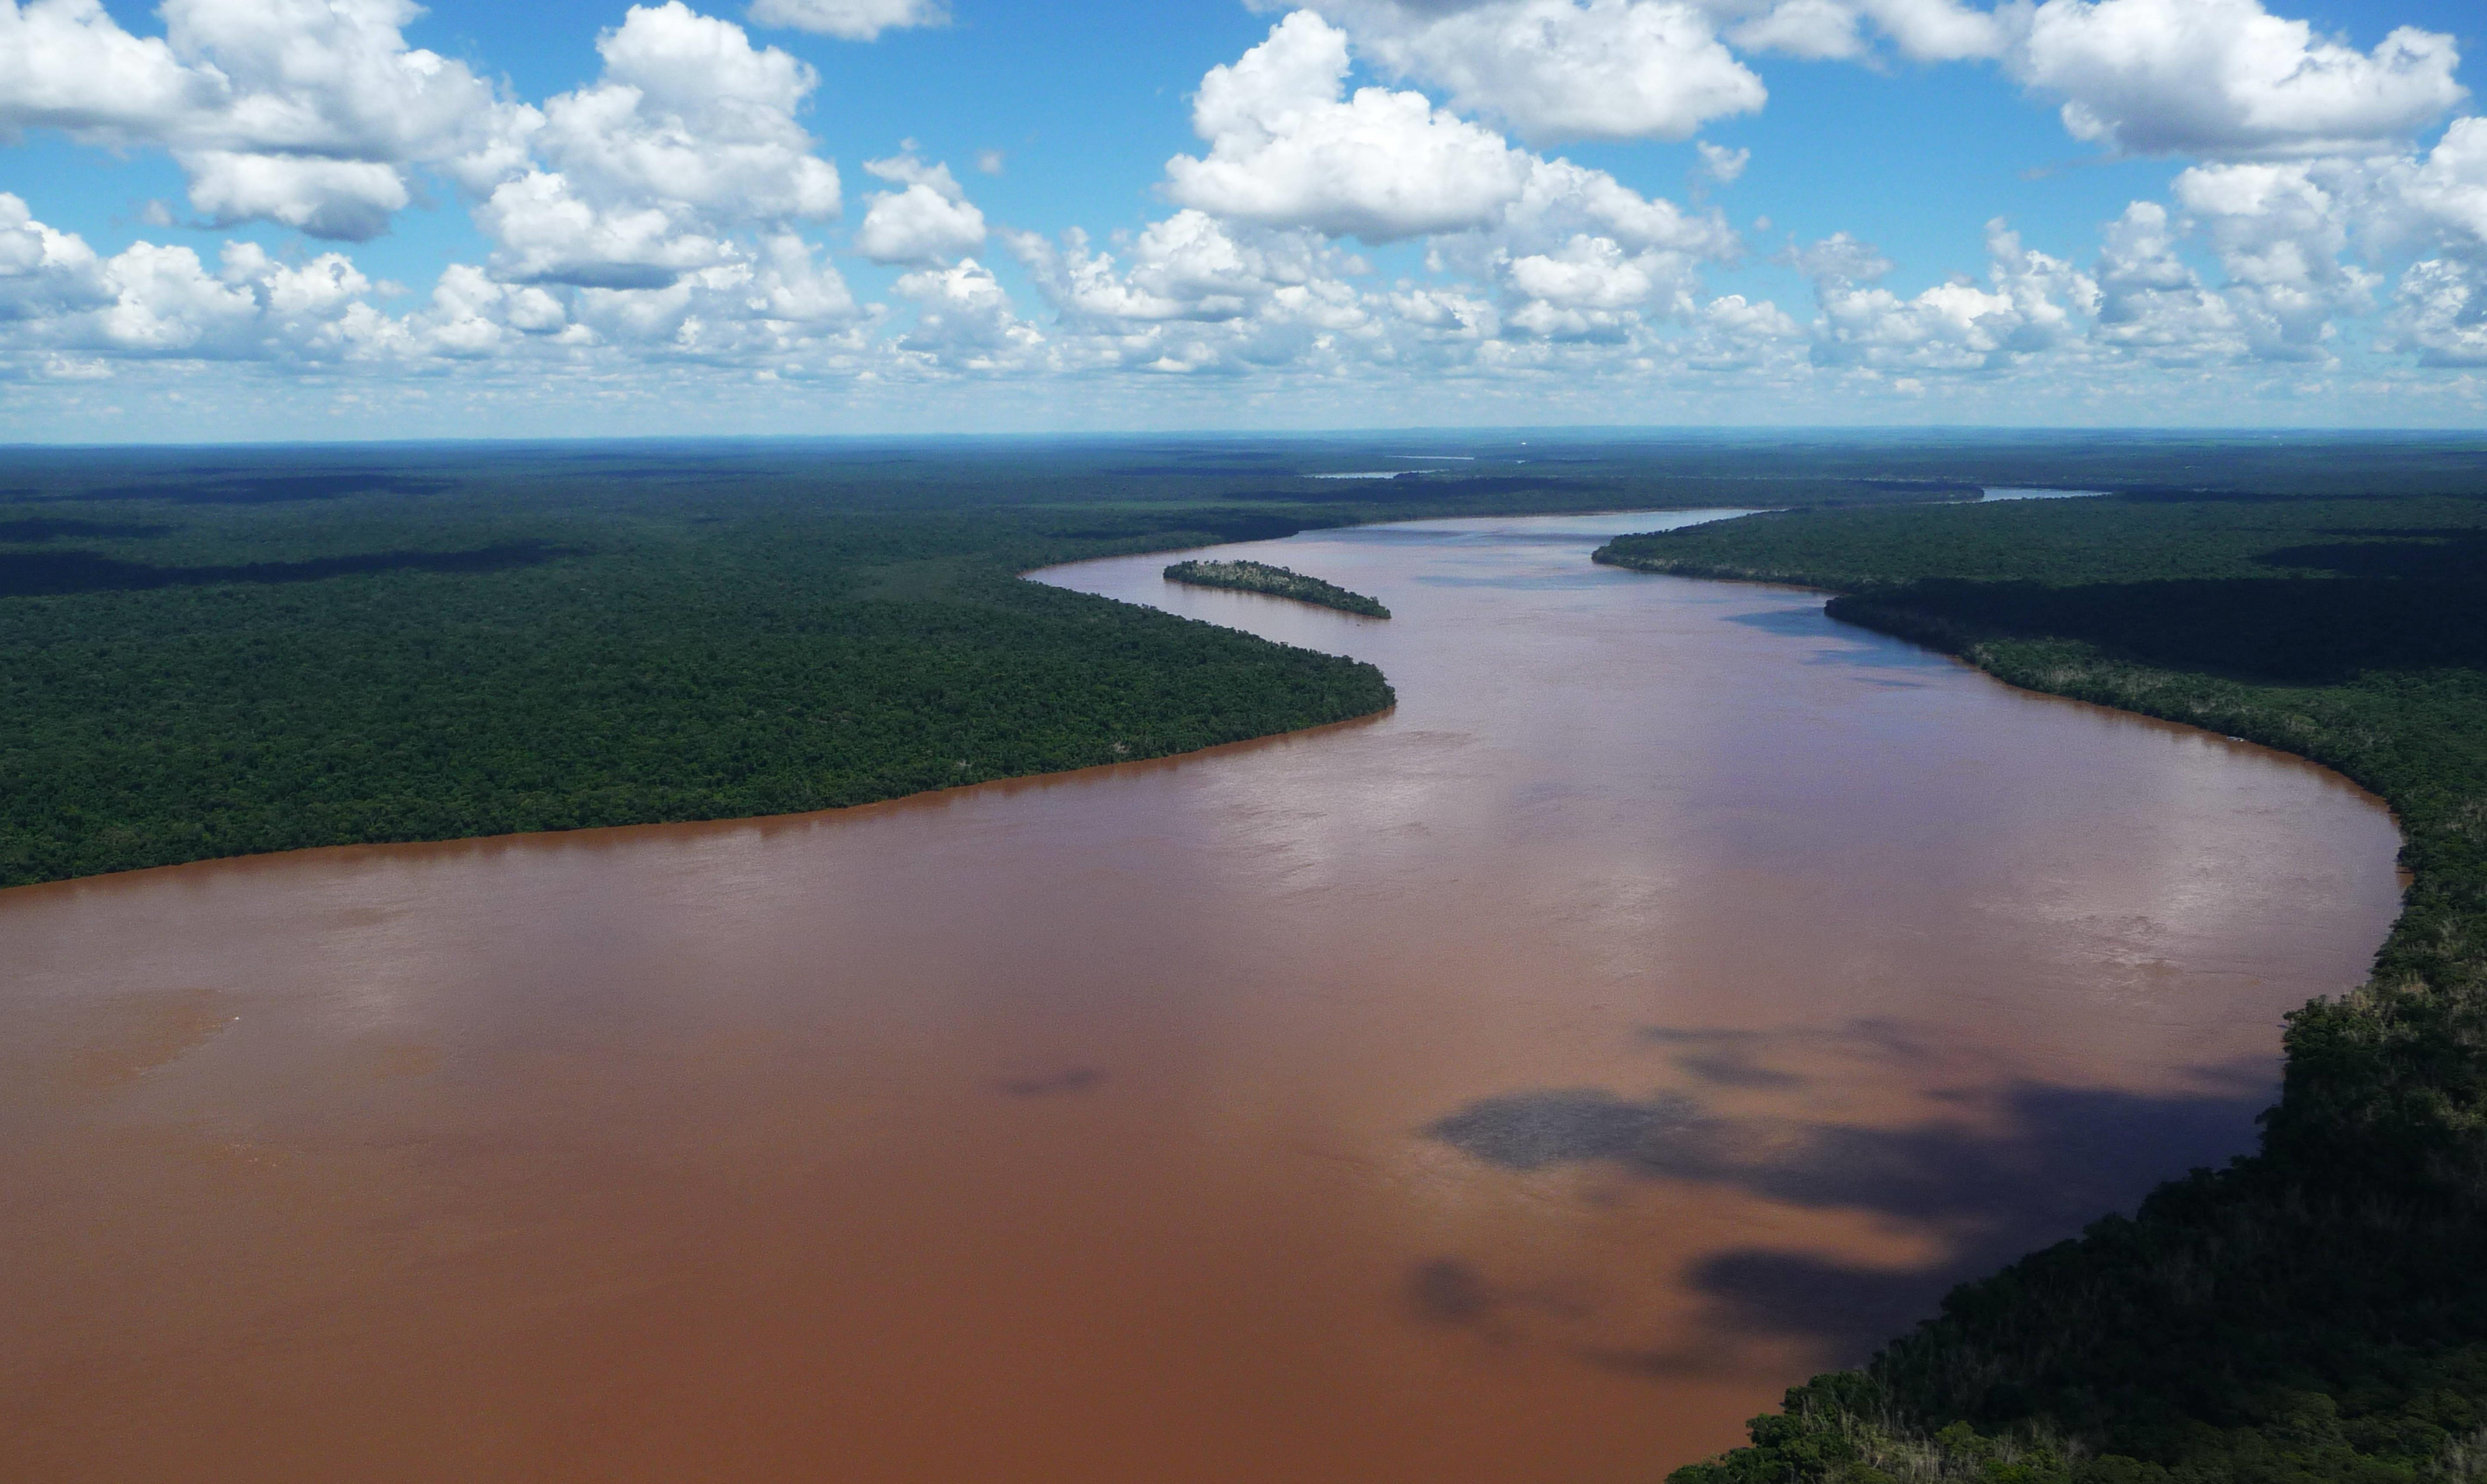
[{"x": 1668, "y": 999}]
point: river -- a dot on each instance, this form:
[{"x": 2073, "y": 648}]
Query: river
[{"x": 1668, "y": 998}]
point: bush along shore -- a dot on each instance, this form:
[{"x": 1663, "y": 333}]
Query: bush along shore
[
  {"x": 2316, "y": 1311},
  {"x": 1277, "y": 583}
]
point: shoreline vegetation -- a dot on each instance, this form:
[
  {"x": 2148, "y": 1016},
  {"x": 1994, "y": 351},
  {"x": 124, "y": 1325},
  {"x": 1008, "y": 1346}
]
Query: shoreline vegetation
[
  {"x": 2317, "y": 1310},
  {"x": 1277, "y": 582}
]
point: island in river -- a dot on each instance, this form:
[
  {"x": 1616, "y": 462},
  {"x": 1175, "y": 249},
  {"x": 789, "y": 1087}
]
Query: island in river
[{"x": 1277, "y": 583}]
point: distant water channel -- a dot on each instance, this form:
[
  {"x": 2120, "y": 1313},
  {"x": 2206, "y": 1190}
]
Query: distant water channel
[{"x": 1670, "y": 999}]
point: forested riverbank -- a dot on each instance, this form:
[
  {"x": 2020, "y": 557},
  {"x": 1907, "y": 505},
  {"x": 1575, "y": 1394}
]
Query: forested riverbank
[{"x": 2315, "y": 1311}]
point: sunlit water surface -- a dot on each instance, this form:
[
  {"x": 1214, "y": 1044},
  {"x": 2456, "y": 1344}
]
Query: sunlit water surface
[{"x": 1667, "y": 999}]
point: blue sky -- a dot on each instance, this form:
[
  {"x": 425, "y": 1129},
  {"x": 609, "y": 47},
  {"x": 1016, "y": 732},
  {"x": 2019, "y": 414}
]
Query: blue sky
[{"x": 265, "y": 218}]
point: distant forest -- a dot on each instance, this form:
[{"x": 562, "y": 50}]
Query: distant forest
[{"x": 2317, "y": 1311}]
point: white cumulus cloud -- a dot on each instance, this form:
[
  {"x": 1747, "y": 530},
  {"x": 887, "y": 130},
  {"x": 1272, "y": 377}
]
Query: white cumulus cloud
[
  {"x": 965, "y": 321},
  {"x": 2227, "y": 78},
  {"x": 650, "y": 172},
  {"x": 1565, "y": 68},
  {"x": 1287, "y": 149},
  {"x": 2280, "y": 236},
  {"x": 310, "y": 113},
  {"x": 2030, "y": 304},
  {"x": 2442, "y": 314},
  {"x": 928, "y": 219}
]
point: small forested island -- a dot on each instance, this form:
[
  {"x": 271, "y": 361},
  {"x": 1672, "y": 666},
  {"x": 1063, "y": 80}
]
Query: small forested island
[
  {"x": 2316, "y": 1311},
  {"x": 1277, "y": 583}
]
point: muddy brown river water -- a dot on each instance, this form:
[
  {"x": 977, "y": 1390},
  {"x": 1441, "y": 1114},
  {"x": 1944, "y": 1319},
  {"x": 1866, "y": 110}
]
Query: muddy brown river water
[{"x": 1670, "y": 999}]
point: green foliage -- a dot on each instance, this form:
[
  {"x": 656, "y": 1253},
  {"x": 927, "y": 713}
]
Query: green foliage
[
  {"x": 1277, "y": 583},
  {"x": 2317, "y": 1311},
  {"x": 184, "y": 677}
]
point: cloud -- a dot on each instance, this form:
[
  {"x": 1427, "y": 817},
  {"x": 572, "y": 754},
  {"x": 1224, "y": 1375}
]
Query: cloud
[
  {"x": 1558, "y": 199},
  {"x": 44, "y": 273},
  {"x": 1721, "y": 164},
  {"x": 1289, "y": 152},
  {"x": 343, "y": 200},
  {"x": 1732, "y": 334},
  {"x": 149, "y": 301},
  {"x": 929, "y": 219},
  {"x": 689, "y": 137},
  {"x": 66, "y": 64},
  {"x": 1937, "y": 30},
  {"x": 1200, "y": 295},
  {"x": 1188, "y": 266},
  {"x": 853, "y": 20},
  {"x": 2225, "y": 78},
  {"x": 662, "y": 216},
  {"x": 1589, "y": 289},
  {"x": 2442, "y": 314},
  {"x": 2437, "y": 202},
  {"x": 1816, "y": 30},
  {"x": 1286, "y": 150},
  {"x": 965, "y": 322},
  {"x": 1920, "y": 29},
  {"x": 472, "y": 314},
  {"x": 544, "y": 231},
  {"x": 310, "y": 113},
  {"x": 2151, "y": 303},
  {"x": 2029, "y": 307},
  {"x": 1565, "y": 68},
  {"x": 2279, "y": 236}
]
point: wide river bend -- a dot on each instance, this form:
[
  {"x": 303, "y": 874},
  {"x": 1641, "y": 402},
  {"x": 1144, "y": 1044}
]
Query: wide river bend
[{"x": 1667, "y": 999}]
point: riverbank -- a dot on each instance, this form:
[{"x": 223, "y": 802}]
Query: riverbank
[{"x": 2312, "y": 1311}]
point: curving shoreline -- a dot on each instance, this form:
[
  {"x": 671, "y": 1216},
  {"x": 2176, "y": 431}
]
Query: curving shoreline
[
  {"x": 1096, "y": 1092},
  {"x": 2301, "y": 1308}
]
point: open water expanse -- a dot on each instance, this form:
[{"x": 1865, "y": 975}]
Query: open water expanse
[{"x": 1670, "y": 999}]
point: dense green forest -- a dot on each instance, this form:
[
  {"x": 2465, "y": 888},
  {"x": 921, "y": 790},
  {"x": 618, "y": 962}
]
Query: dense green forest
[
  {"x": 1277, "y": 583},
  {"x": 2316, "y": 1311}
]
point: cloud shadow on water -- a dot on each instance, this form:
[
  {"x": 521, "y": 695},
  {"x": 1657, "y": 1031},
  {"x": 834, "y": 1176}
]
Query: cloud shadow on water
[{"x": 2041, "y": 1162}]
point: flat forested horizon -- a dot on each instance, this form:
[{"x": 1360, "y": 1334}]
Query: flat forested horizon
[{"x": 2318, "y": 1310}]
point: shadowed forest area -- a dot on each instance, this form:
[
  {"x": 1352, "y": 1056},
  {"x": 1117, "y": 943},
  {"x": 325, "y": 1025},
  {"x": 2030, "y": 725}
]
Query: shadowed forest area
[{"x": 2316, "y": 1311}]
